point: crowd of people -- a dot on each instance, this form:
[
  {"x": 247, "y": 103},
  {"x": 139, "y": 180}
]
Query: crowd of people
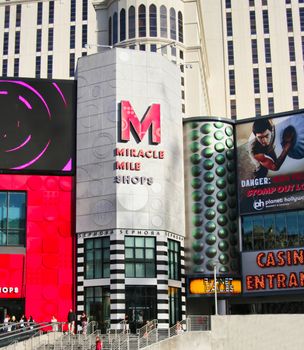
[{"x": 10, "y": 323}]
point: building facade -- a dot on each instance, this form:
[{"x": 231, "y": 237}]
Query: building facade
[{"x": 156, "y": 211}]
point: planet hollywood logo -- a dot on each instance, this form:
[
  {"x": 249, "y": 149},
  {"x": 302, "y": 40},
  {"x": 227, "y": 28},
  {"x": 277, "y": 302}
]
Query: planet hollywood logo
[{"x": 258, "y": 204}]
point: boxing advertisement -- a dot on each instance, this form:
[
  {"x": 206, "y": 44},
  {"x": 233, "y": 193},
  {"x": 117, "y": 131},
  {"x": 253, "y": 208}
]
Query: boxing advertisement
[{"x": 270, "y": 154}]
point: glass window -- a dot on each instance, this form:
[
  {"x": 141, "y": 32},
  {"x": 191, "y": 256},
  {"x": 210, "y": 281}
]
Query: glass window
[
  {"x": 254, "y": 51},
  {"x": 51, "y": 12},
  {"x": 115, "y": 28},
  {"x": 6, "y": 17},
  {"x": 49, "y": 66},
  {"x": 110, "y": 31},
  {"x": 228, "y": 4},
  {"x": 233, "y": 109},
  {"x": 301, "y": 227},
  {"x": 252, "y": 22},
  {"x": 12, "y": 215},
  {"x": 180, "y": 27},
  {"x": 72, "y": 37},
  {"x": 153, "y": 20},
  {"x": 256, "y": 81},
  {"x": 97, "y": 258},
  {"x": 230, "y": 52},
  {"x": 163, "y": 22},
  {"x": 153, "y": 48},
  {"x": 50, "y": 39},
  {"x": 264, "y": 2},
  {"x": 267, "y": 50},
  {"x": 269, "y": 231},
  {"x": 5, "y": 43},
  {"x": 4, "y": 68},
  {"x": 142, "y": 47},
  {"x": 140, "y": 257},
  {"x": 293, "y": 76},
  {"x": 174, "y": 259},
  {"x": 270, "y": 105},
  {"x": 141, "y": 305},
  {"x": 269, "y": 79},
  {"x": 73, "y": 11},
  {"x": 265, "y": 22},
  {"x": 295, "y": 102},
  {"x": 18, "y": 15},
  {"x": 132, "y": 22},
  {"x": 231, "y": 82},
  {"x": 84, "y": 10},
  {"x": 247, "y": 233},
  {"x": 38, "y": 67},
  {"x": 257, "y": 104},
  {"x": 172, "y": 24},
  {"x": 122, "y": 25},
  {"x": 72, "y": 64},
  {"x": 38, "y": 40},
  {"x": 142, "y": 21},
  {"x": 289, "y": 20},
  {"x": 292, "y": 229},
  {"x": 97, "y": 306},
  {"x": 292, "y": 53},
  {"x": 301, "y": 13},
  {"x": 229, "y": 24},
  {"x": 280, "y": 231},
  {"x": 39, "y": 13},
  {"x": 17, "y": 42},
  {"x": 251, "y": 2},
  {"x": 258, "y": 233},
  {"x": 175, "y": 301},
  {"x": 84, "y": 40}
]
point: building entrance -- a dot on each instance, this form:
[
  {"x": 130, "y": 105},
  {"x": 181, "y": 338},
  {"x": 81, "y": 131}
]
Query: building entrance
[
  {"x": 140, "y": 306},
  {"x": 12, "y": 307}
]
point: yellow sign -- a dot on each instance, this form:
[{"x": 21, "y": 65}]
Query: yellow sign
[{"x": 224, "y": 285}]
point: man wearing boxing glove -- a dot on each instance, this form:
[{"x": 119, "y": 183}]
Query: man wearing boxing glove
[{"x": 261, "y": 146}]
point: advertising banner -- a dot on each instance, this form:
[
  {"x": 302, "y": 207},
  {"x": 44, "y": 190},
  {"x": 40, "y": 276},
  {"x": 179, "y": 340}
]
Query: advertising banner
[
  {"x": 271, "y": 164},
  {"x": 37, "y": 126},
  {"x": 273, "y": 270}
]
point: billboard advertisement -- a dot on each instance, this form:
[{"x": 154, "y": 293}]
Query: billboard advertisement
[
  {"x": 270, "y": 155},
  {"x": 37, "y": 126},
  {"x": 273, "y": 271}
]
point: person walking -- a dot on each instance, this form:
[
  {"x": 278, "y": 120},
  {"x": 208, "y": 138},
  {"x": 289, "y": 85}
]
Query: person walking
[
  {"x": 99, "y": 344},
  {"x": 84, "y": 323},
  {"x": 71, "y": 321}
]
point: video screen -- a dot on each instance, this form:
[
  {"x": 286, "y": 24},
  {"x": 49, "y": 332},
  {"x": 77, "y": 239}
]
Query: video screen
[{"x": 37, "y": 126}]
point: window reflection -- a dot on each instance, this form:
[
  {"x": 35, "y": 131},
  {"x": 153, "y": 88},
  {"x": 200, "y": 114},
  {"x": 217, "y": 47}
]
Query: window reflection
[{"x": 273, "y": 231}]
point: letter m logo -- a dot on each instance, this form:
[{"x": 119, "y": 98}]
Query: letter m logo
[{"x": 151, "y": 120}]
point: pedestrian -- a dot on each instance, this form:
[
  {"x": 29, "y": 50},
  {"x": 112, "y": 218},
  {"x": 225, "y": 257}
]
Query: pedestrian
[
  {"x": 54, "y": 324},
  {"x": 99, "y": 343},
  {"x": 179, "y": 328},
  {"x": 71, "y": 321},
  {"x": 84, "y": 323},
  {"x": 22, "y": 322},
  {"x": 126, "y": 324},
  {"x": 31, "y": 322},
  {"x": 6, "y": 322}
]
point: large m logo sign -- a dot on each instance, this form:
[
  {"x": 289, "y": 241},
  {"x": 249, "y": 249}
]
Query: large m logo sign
[{"x": 151, "y": 120}]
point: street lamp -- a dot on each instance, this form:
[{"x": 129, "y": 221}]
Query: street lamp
[{"x": 215, "y": 286}]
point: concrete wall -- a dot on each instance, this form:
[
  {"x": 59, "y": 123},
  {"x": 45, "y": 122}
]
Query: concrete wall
[{"x": 250, "y": 332}]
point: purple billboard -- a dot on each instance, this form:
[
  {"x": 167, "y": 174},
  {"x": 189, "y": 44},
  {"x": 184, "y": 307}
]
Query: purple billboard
[{"x": 37, "y": 126}]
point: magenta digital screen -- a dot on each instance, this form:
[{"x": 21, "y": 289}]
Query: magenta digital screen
[{"x": 37, "y": 126}]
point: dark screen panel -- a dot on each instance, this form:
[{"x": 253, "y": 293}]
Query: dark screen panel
[{"x": 37, "y": 126}]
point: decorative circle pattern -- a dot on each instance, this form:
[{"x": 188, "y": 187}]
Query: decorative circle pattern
[{"x": 213, "y": 225}]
